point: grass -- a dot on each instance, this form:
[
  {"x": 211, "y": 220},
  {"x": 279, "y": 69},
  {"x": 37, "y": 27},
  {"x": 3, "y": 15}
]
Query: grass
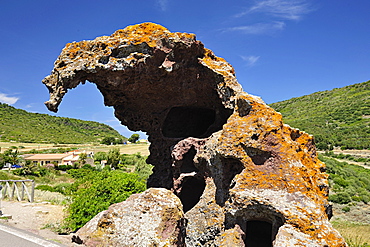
[
  {"x": 55, "y": 198},
  {"x": 356, "y": 234}
]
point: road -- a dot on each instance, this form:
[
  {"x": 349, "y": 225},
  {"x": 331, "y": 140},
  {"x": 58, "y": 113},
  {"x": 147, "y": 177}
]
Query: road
[{"x": 12, "y": 237}]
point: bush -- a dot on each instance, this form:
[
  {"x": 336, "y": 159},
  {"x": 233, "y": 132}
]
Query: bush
[
  {"x": 340, "y": 197},
  {"x": 63, "y": 188},
  {"x": 356, "y": 198},
  {"x": 64, "y": 167},
  {"x": 45, "y": 187},
  {"x": 346, "y": 209},
  {"x": 4, "y": 175},
  {"x": 340, "y": 181},
  {"x": 97, "y": 191},
  {"x": 365, "y": 199},
  {"x": 88, "y": 166},
  {"x": 79, "y": 173}
]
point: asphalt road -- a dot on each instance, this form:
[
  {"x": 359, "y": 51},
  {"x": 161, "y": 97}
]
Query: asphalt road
[{"x": 12, "y": 237}]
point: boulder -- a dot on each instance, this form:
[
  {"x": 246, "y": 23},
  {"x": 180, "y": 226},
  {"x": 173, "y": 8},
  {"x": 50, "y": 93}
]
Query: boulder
[
  {"x": 151, "y": 218},
  {"x": 243, "y": 177}
]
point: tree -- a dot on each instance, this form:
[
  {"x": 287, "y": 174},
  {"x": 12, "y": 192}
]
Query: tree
[
  {"x": 99, "y": 156},
  {"x": 113, "y": 157},
  {"x": 11, "y": 156},
  {"x": 108, "y": 140},
  {"x": 82, "y": 158},
  {"x": 134, "y": 138},
  {"x": 2, "y": 161}
]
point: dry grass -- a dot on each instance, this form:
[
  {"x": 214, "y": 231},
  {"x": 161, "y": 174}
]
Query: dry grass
[
  {"x": 52, "y": 197},
  {"x": 356, "y": 235},
  {"x": 124, "y": 149}
]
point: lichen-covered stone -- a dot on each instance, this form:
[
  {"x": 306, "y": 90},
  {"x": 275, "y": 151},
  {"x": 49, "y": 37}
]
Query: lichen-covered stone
[
  {"x": 152, "y": 218},
  {"x": 240, "y": 173}
]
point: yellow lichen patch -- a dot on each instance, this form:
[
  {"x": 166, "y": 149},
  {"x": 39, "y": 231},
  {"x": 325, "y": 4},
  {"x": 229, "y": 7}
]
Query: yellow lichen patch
[
  {"x": 145, "y": 32},
  {"x": 217, "y": 64}
]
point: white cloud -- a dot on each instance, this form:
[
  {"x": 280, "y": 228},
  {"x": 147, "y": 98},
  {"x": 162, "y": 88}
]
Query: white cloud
[
  {"x": 259, "y": 28},
  {"x": 163, "y": 4},
  {"x": 112, "y": 120},
  {"x": 8, "y": 100},
  {"x": 251, "y": 60},
  {"x": 286, "y": 9}
]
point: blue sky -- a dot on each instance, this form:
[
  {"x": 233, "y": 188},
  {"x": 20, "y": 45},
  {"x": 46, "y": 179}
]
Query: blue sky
[{"x": 279, "y": 48}]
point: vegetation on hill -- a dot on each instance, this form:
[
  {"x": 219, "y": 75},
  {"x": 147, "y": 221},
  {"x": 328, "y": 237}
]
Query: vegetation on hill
[
  {"x": 339, "y": 117},
  {"x": 348, "y": 183},
  {"x": 22, "y": 126}
]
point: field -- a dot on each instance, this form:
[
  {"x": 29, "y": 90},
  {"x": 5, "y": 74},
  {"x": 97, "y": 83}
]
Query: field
[
  {"x": 356, "y": 235},
  {"x": 124, "y": 149}
]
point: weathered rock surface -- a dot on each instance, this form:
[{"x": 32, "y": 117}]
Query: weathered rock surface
[
  {"x": 243, "y": 177},
  {"x": 152, "y": 218}
]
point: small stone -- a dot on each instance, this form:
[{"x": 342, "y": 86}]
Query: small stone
[{"x": 42, "y": 212}]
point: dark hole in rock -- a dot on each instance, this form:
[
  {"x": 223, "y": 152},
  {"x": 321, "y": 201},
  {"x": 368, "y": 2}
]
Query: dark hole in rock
[
  {"x": 104, "y": 59},
  {"x": 122, "y": 52},
  {"x": 255, "y": 137},
  {"x": 259, "y": 224},
  {"x": 187, "y": 162},
  {"x": 231, "y": 167},
  {"x": 192, "y": 189},
  {"x": 61, "y": 64},
  {"x": 243, "y": 107},
  {"x": 323, "y": 169},
  {"x": 295, "y": 134},
  {"x": 188, "y": 122},
  {"x": 258, "y": 234},
  {"x": 258, "y": 156},
  {"x": 329, "y": 210}
]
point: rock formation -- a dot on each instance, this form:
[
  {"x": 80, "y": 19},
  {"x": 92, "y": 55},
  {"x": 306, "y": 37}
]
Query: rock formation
[{"x": 242, "y": 176}]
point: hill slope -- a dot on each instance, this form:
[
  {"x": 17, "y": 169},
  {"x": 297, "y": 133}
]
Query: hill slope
[
  {"x": 22, "y": 126},
  {"x": 339, "y": 117}
]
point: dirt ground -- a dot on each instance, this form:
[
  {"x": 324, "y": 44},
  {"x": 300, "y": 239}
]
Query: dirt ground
[{"x": 34, "y": 217}]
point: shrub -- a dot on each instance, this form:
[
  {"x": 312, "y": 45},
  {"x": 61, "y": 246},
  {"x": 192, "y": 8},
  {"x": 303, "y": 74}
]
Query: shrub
[
  {"x": 79, "y": 173},
  {"x": 97, "y": 191},
  {"x": 340, "y": 181},
  {"x": 64, "y": 167},
  {"x": 346, "y": 209},
  {"x": 63, "y": 188},
  {"x": 45, "y": 187},
  {"x": 340, "y": 197},
  {"x": 365, "y": 198},
  {"x": 87, "y": 166},
  {"x": 356, "y": 198}
]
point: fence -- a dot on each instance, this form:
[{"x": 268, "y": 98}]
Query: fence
[{"x": 18, "y": 189}]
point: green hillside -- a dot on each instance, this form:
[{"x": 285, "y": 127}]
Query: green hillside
[
  {"x": 339, "y": 117},
  {"x": 22, "y": 126}
]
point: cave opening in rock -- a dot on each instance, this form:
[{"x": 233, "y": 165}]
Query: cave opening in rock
[
  {"x": 258, "y": 234},
  {"x": 188, "y": 122},
  {"x": 187, "y": 162},
  {"x": 230, "y": 168},
  {"x": 192, "y": 189},
  {"x": 259, "y": 224}
]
